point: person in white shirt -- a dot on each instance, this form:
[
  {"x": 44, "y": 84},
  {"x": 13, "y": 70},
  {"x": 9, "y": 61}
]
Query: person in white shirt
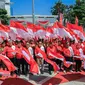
[
  {"x": 39, "y": 57},
  {"x": 30, "y": 49}
]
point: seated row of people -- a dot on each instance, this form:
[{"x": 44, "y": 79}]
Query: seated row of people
[{"x": 62, "y": 56}]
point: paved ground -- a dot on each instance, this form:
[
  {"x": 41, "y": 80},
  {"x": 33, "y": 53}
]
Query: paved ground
[
  {"x": 39, "y": 80},
  {"x": 76, "y": 82},
  {"x": 42, "y": 78}
]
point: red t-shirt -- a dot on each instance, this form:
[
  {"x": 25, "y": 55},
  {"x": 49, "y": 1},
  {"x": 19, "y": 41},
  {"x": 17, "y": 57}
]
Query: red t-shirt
[
  {"x": 19, "y": 53},
  {"x": 9, "y": 52}
]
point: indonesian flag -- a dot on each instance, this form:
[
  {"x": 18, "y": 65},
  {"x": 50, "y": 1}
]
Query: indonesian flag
[
  {"x": 4, "y": 30},
  {"x": 8, "y": 63},
  {"x": 29, "y": 59},
  {"x": 49, "y": 32},
  {"x": 76, "y": 20},
  {"x": 61, "y": 18},
  {"x": 78, "y": 30},
  {"x": 17, "y": 25},
  {"x": 18, "y": 28},
  {"x": 58, "y": 56},
  {"x": 60, "y": 30},
  {"x": 40, "y": 31},
  {"x": 43, "y": 22},
  {"x": 43, "y": 55},
  {"x": 31, "y": 28}
]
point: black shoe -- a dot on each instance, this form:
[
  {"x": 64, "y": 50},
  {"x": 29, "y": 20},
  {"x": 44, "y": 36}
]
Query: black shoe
[
  {"x": 23, "y": 73},
  {"x": 79, "y": 70},
  {"x": 30, "y": 73},
  {"x": 61, "y": 69},
  {"x": 50, "y": 72},
  {"x": 42, "y": 72}
]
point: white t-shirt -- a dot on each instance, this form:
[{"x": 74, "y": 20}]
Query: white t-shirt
[
  {"x": 42, "y": 48},
  {"x": 30, "y": 49},
  {"x": 71, "y": 51}
]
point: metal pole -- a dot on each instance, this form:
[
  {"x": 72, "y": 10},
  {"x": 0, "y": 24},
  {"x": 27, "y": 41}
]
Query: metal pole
[{"x": 33, "y": 16}]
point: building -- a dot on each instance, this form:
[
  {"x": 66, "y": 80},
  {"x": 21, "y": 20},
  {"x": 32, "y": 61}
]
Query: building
[
  {"x": 5, "y": 4},
  {"x": 28, "y": 18}
]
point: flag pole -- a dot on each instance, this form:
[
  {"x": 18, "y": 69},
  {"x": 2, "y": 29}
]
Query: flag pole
[{"x": 33, "y": 16}]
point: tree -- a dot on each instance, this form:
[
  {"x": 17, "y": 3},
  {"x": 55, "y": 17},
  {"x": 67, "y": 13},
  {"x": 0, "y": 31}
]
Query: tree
[
  {"x": 71, "y": 11},
  {"x": 79, "y": 11},
  {"x": 4, "y": 17},
  {"x": 58, "y": 8}
]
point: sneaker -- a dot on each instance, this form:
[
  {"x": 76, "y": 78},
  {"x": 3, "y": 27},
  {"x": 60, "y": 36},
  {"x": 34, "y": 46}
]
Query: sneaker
[
  {"x": 57, "y": 72},
  {"x": 71, "y": 71},
  {"x": 50, "y": 72},
  {"x": 64, "y": 71}
]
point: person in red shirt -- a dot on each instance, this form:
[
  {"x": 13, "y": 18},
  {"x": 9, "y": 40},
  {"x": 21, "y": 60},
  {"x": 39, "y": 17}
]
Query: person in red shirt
[
  {"x": 68, "y": 55},
  {"x": 39, "y": 57},
  {"x": 77, "y": 58},
  {"x": 10, "y": 52},
  {"x": 19, "y": 57},
  {"x": 59, "y": 50},
  {"x": 52, "y": 54}
]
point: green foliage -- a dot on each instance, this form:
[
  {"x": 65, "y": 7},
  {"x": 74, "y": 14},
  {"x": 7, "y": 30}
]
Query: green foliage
[
  {"x": 58, "y": 8},
  {"x": 78, "y": 9},
  {"x": 4, "y": 17}
]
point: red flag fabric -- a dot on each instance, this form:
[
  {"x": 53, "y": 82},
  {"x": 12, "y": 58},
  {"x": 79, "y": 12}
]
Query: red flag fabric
[
  {"x": 17, "y": 25},
  {"x": 44, "y": 56},
  {"x": 61, "y": 18},
  {"x": 8, "y": 63},
  {"x": 62, "y": 31},
  {"x": 78, "y": 30},
  {"x": 31, "y": 26},
  {"x": 76, "y": 20},
  {"x": 75, "y": 27},
  {"x": 60, "y": 25},
  {"x": 18, "y": 37},
  {"x": 55, "y": 25},
  {"x": 43, "y": 22},
  {"x": 29, "y": 59},
  {"x": 4, "y": 28},
  {"x": 52, "y": 53},
  {"x": 49, "y": 32},
  {"x": 34, "y": 27}
]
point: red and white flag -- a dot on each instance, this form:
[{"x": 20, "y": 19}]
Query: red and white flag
[
  {"x": 60, "y": 30},
  {"x": 76, "y": 20},
  {"x": 78, "y": 30},
  {"x": 17, "y": 25},
  {"x": 61, "y": 18},
  {"x": 4, "y": 30},
  {"x": 44, "y": 56},
  {"x": 29, "y": 59},
  {"x": 18, "y": 28},
  {"x": 56, "y": 55},
  {"x": 8, "y": 63}
]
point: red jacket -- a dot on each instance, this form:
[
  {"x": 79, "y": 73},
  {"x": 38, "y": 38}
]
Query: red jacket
[
  {"x": 19, "y": 53},
  {"x": 66, "y": 52},
  {"x": 9, "y": 52},
  {"x": 52, "y": 49}
]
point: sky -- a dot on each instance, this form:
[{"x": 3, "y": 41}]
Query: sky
[{"x": 42, "y": 7}]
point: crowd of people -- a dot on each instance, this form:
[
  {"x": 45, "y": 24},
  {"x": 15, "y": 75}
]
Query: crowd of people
[{"x": 64, "y": 52}]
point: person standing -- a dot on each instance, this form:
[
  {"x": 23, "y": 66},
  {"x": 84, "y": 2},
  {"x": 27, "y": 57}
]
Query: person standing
[
  {"x": 19, "y": 57},
  {"x": 39, "y": 57}
]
